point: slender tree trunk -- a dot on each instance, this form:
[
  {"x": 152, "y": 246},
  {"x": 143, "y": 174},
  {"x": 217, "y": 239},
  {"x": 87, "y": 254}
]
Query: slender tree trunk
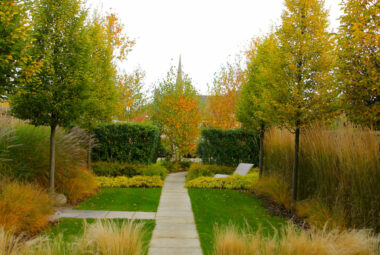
[
  {"x": 295, "y": 167},
  {"x": 261, "y": 157},
  {"x": 52, "y": 157},
  {"x": 89, "y": 155}
]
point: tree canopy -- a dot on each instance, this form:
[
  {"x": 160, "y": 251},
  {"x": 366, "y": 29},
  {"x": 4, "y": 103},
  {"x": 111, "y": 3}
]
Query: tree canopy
[{"x": 175, "y": 109}]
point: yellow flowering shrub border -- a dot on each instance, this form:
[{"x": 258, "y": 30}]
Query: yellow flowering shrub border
[
  {"x": 125, "y": 182},
  {"x": 232, "y": 182}
]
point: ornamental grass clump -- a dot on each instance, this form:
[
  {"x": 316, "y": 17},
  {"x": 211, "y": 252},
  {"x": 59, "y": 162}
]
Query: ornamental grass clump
[
  {"x": 339, "y": 167},
  {"x": 230, "y": 240},
  {"x": 24, "y": 207},
  {"x": 104, "y": 237},
  {"x": 28, "y": 160}
]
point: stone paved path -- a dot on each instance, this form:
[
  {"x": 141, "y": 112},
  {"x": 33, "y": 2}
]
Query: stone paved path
[
  {"x": 82, "y": 214},
  {"x": 175, "y": 232}
]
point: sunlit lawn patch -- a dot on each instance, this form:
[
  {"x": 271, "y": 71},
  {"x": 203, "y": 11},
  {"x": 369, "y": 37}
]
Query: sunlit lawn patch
[
  {"x": 213, "y": 207},
  {"x": 123, "y": 199}
]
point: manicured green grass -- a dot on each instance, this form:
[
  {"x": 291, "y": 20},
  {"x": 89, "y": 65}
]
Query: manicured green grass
[
  {"x": 70, "y": 228},
  {"x": 123, "y": 199},
  {"x": 213, "y": 207}
]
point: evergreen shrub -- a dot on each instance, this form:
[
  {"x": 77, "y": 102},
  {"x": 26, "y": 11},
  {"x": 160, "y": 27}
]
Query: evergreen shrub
[
  {"x": 228, "y": 147},
  {"x": 127, "y": 142}
]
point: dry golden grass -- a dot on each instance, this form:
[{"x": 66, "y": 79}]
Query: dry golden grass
[
  {"x": 77, "y": 184},
  {"x": 339, "y": 167},
  {"x": 275, "y": 188},
  {"x": 321, "y": 216},
  {"x": 23, "y": 207},
  {"x": 10, "y": 244},
  {"x": 292, "y": 241},
  {"x": 101, "y": 238},
  {"x": 106, "y": 237}
]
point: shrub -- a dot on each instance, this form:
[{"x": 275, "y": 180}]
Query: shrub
[
  {"x": 23, "y": 207},
  {"x": 198, "y": 170},
  {"x": 113, "y": 169},
  {"x": 127, "y": 142},
  {"x": 228, "y": 147},
  {"x": 232, "y": 182},
  {"x": 155, "y": 170},
  {"x": 340, "y": 168},
  {"x": 125, "y": 182},
  {"x": 230, "y": 240},
  {"x": 175, "y": 166}
]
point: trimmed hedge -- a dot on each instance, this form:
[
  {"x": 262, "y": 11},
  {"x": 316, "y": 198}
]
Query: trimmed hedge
[
  {"x": 228, "y": 147},
  {"x": 127, "y": 142}
]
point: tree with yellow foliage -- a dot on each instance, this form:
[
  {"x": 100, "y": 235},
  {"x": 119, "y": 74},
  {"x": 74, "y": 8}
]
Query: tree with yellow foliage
[
  {"x": 255, "y": 111},
  {"x": 304, "y": 87},
  {"x": 359, "y": 61},
  {"x": 15, "y": 40},
  {"x": 131, "y": 100},
  {"x": 221, "y": 104}
]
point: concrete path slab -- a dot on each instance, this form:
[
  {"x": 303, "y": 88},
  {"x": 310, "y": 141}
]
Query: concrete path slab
[
  {"x": 175, "y": 232},
  {"x": 69, "y": 212}
]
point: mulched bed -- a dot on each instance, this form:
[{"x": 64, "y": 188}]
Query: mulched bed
[{"x": 279, "y": 210}]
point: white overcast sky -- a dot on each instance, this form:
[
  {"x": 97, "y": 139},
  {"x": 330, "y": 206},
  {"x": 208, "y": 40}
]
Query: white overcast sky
[{"x": 204, "y": 32}]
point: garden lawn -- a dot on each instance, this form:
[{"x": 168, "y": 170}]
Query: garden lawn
[
  {"x": 70, "y": 228},
  {"x": 220, "y": 207},
  {"x": 123, "y": 199}
]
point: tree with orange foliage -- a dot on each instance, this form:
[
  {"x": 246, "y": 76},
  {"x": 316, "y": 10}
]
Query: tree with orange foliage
[
  {"x": 175, "y": 110},
  {"x": 221, "y": 104}
]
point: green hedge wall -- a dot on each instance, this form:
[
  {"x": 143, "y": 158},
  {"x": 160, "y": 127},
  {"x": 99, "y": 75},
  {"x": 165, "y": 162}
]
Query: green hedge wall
[
  {"x": 127, "y": 142},
  {"x": 228, "y": 147}
]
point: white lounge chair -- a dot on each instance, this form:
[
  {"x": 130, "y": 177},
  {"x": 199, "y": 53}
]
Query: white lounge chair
[{"x": 242, "y": 169}]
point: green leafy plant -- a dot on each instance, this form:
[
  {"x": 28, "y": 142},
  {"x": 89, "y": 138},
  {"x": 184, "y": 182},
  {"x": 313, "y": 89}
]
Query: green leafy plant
[{"x": 155, "y": 170}]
